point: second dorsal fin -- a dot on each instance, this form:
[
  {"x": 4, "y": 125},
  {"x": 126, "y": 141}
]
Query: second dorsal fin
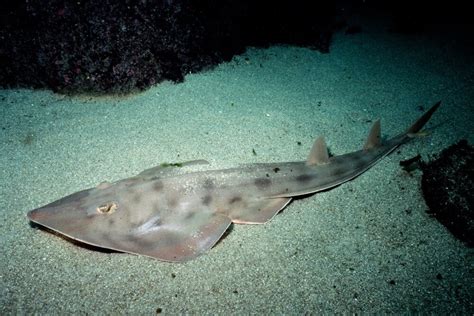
[
  {"x": 374, "y": 138},
  {"x": 319, "y": 153}
]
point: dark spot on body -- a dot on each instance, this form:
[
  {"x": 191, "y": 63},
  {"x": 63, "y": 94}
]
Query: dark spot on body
[
  {"x": 262, "y": 183},
  {"x": 111, "y": 221},
  {"x": 166, "y": 165},
  {"x": 235, "y": 199},
  {"x": 267, "y": 175},
  {"x": 336, "y": 172},
  {"x": 304, "y": 178},
  {"x": 190, "y": 216},
  {"x": 158, "y": 186},
  {"x": 137, "y": 197},
  {"x": 276, "y": 169},
  {"x": 172, "y": 201},
  {"x": 206, "y": 200},
  {"x": 208, "y": 184}
]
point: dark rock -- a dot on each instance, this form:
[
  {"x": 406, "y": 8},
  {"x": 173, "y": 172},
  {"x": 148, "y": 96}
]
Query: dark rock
[
  {"x": 448, "y": 188},
  {"x": 122, "y": 46}
]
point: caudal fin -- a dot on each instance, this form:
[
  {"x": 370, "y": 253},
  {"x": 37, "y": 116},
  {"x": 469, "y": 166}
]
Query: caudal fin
[{"x": 418, "y": 125}]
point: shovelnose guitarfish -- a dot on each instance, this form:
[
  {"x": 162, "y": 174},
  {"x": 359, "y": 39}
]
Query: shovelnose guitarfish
[{"x": 176, "y": 212}]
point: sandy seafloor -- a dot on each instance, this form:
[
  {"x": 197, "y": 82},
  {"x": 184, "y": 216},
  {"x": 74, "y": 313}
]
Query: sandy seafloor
[{"x": 367, "y": 246}]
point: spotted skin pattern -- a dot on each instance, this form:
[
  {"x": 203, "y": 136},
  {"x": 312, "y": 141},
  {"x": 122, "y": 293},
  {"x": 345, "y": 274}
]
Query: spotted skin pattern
[{"x": 176, "y": 212}]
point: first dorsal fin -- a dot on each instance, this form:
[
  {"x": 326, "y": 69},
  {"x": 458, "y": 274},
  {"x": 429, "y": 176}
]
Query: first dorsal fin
[
  {"x": 374, "y": 138},
  {"x": 319, "y": 153}
]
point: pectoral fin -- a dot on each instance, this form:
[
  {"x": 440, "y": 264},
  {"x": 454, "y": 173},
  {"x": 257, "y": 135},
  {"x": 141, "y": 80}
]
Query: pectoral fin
[
  {"x": 257, "y": 211},
  {"x": 177, "y": 242},
  {"x": 173, "y": 236}
]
